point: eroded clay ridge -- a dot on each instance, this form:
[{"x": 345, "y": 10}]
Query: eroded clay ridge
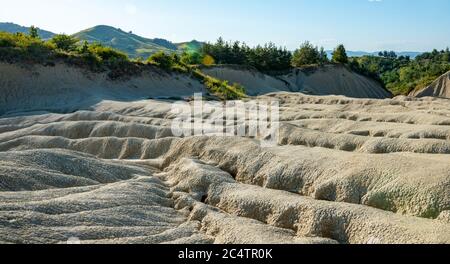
[
  {"x": 439, "y": 88},
  {"x": 344, "y": 171}
]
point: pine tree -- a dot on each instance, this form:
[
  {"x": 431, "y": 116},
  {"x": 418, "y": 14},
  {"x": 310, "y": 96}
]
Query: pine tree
[
  {"x": 323, "y": 56},
  {"x": 307, "y": 54},
  {"x": 340, "y": 55}
]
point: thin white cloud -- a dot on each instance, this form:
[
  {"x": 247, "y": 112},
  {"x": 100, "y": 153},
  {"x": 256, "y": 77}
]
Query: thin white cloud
[{"x": 131, "y": 9}]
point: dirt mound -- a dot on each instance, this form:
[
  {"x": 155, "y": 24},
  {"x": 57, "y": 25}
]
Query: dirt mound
[
  {"x": 326, "y": 80},
  {"x": 439, "y": 88},
  {"x": 66, "y": 89}
]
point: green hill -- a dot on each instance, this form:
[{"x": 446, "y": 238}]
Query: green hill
[
  {"x": 133, "y": 45},
  {"x": 193, "y": 45},
  {"x": 14, "y": 28}
]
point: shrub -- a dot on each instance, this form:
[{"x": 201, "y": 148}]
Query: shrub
[
  {"x": 7, "y": 40},
  {"x": 162, "y": 60},
  {"x": 208, "y": 60},
  {"x": 191, "y": 58},
  {"x": 15, "y": 47},
  {"x": 84, "y": 48},
  {"x": 64, "y": 42},
  {"x": 107, "y": 53},
  {"x": 92, "y": 60}
]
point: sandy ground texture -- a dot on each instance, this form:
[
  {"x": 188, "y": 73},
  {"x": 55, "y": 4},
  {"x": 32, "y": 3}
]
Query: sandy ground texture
[
  {"x": 439, "y": 88},
  {"x": 111, "y": 171}
]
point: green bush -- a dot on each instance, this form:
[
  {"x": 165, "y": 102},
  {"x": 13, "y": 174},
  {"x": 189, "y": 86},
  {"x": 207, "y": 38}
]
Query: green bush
[
  {"x": 7, "y": 40},
  {"x": 107, "y": 53},
  {"x": 64, "y": 42},
  {"x": 162, "y": 60},
  {"x": 16, "y": 47},
  {"x": 191, "y": 58},
  {"x": 91, "y": 59}
]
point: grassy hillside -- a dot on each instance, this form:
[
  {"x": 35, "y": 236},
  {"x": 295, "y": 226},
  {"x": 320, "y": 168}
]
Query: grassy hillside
[
  {"x": 133, "y": 45},
  {"x": 14, "y": 28}
]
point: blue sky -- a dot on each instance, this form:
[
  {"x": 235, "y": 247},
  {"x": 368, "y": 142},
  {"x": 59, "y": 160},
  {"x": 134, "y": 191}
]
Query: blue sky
[{"x": 369, "y": 25}]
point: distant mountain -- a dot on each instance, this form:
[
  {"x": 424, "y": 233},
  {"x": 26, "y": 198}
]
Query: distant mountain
[
  {"x": 135, "y": 46},
  {"x": 14, "y": 28},
  {"x": 411, "y": 54}
]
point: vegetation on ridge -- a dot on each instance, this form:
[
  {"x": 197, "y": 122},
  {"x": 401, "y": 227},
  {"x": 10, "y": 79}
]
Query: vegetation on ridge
[
  {"x": 401, "y": 74},
  {"x": 30, "y": 48}
]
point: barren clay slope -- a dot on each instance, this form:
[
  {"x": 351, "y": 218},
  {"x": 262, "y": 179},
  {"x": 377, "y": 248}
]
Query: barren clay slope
[
  {"x": 325, "y": 80},
  {"x": 64, "y": 88},
  {"x": 439, "y": 88},
  {"x": 344, "y": 171}
]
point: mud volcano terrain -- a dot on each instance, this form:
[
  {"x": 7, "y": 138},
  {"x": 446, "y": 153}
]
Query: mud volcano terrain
[{"x": 344, "y": 171}]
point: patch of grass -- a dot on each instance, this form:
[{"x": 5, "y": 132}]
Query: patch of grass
[{"x": 221, "y": 89}]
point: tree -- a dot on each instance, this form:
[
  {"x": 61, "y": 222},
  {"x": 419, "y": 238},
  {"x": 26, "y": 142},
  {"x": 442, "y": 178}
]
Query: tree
[
  {"x": 446, "y": 56},
  {"x": 34, "y": 32},
  {"x": 264, "y": 58},
  {"x": 307, "y": 54},
  {"x": 392, "y": 55},
  {"x": 323, "y": 56},
  {"x": 84, "y": 48},
  {"x": 65, "y": 42},
  {"x": 191, "y": 58},
  {"x": 340, "y": 55},
  {"x": 354, "y": 65}
]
